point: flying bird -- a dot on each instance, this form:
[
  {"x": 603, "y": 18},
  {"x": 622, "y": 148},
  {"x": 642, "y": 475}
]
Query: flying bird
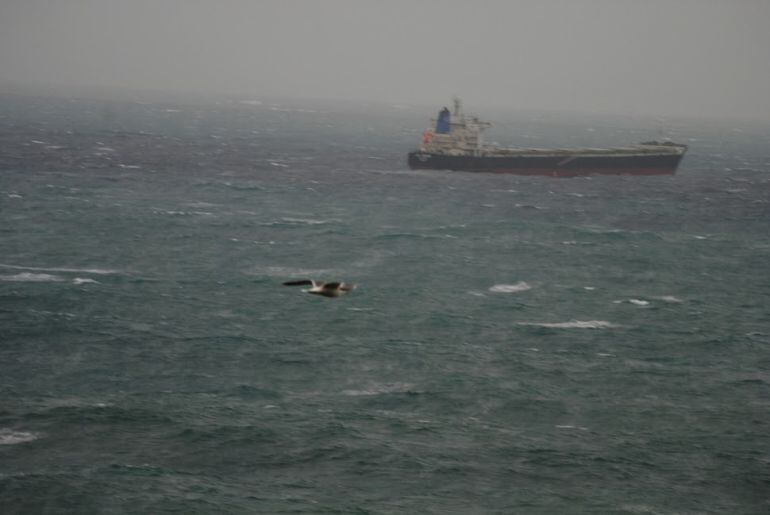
[{"x": 334, "y": 289}]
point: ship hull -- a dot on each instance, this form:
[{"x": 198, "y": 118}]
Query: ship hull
[{"x": 552, "y": 165}]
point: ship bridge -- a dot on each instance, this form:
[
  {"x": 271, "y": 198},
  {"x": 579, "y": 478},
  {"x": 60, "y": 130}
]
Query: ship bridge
[{"x": 454, "y": 133}]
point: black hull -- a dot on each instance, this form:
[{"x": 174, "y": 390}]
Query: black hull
[{"x": 559, "y": 165}]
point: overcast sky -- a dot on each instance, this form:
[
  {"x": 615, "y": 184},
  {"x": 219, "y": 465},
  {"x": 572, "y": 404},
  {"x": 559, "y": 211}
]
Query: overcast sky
[{"x": 658, "y": 57}]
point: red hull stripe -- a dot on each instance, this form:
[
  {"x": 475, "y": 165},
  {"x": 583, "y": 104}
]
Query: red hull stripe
[{"x": 575, "y": 172}]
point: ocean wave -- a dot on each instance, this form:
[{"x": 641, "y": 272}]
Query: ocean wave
[
  {"x": 305, "y": 221},
  {"x": 412, "y": 235},
  {"x": 635, "y": 302},
  {"x": 10, "y": 437},
  {"x": 570, "y": 426},
  {"x": 240, "y": 186},
  {"x": 295, "y": 222},
  {"x": 511, "y": 288},
  {"x": 287, "y": 271},
  {"x": 181, "y": 213},
  {"x": 574, "y": 324},
  {"x": 382, "y": 389},
  {"x": 84, "y": 280},
  {"x": 669, "y": 298},
  {"x": 28, "y": 277},
  {"x": 97, "y": 271},
  {"x": 83, "y": 414}
]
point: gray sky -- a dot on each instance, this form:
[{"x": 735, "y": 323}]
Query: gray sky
[{"x": 658, "y": 57}]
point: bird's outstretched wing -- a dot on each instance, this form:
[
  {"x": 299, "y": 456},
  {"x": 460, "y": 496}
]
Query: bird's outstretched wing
[
  {"x": 300, "y": 282},
  {"x": 332, "y": 286}
]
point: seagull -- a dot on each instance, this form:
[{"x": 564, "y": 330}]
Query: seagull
[{"x": 334, "y": 289}]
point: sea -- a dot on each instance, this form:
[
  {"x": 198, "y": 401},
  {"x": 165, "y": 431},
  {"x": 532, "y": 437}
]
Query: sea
[{"x": 515, "y": 345}]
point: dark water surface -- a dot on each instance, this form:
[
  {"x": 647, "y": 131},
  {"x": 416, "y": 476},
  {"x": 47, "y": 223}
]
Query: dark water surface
[{"x": 516, "y": 344}]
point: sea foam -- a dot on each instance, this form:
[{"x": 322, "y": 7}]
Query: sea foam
[
  {"x": 381, "y": 389},
  {"x": 84, "y": 280},
  {"x": 574, "y": 324},
  {"x": 28, "y": 277},
  {"x": 635, "y": 302},
  {"x": 10, "y": 437},
  {"x": 669, "y": 298},
  {"x": 98, "y": 271},
  {"x": 510, "y": 288}
]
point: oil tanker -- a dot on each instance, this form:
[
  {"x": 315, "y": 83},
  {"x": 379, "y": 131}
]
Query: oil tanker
[{"x": 454, "y": 142}]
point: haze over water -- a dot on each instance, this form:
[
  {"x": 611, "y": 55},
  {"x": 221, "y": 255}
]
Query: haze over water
[
  {"x": 657, "y": 57},
  {"x": 515, "y": 345}
]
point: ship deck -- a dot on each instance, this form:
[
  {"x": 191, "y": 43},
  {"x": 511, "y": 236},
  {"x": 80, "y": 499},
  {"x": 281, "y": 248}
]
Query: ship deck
[{"x": 641, "y": 150}]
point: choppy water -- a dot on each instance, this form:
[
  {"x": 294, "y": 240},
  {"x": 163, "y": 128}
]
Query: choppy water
[{"x": 516, "y": 345}]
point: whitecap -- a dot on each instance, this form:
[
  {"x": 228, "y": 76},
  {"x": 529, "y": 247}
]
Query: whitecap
[
  {"x": 84, "y": 280},
  {"x": 285, "y": 271},
  {"x": 27, "y": 277},
  {"x": 98, "y": 271},
  {"x": 14, "y": 195},
  {"x": 182, "y": 213},
  {"x": 669, "y": 298},
  {"x": 10, "y": 437},
  {"x": 379, "y": 390},
  {"x": 304, "y": 221},
  {"x": 510, "y": 288},
  {"x": 573, "y": 324},
  {"x": 636, "y": 302}
]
